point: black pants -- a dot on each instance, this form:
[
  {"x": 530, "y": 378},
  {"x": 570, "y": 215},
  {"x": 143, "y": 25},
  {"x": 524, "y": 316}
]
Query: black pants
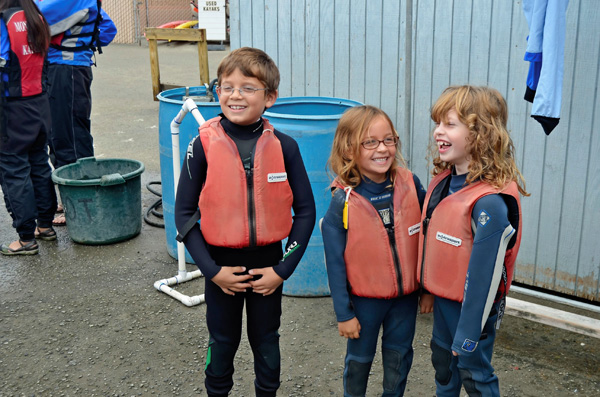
[
  {"x": 71, "y": 106},
  {"x": 25, "y": 172},
  {"x": 224, "y": 319}
]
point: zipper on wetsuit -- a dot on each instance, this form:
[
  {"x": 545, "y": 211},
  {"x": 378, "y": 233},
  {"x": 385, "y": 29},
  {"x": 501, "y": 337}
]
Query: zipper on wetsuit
[
  {"x": 390, "y": 232},
  {"x": 249, "y": 168}
]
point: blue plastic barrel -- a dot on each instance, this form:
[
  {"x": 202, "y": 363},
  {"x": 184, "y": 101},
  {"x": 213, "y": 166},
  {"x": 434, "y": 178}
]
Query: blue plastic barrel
[
  {"x": 170, "y": 105},
  {"x": 311, "y": 121}
]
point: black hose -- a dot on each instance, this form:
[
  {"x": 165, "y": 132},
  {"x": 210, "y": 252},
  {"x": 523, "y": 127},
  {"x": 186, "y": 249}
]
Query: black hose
[{"x": 152, "y": 210}]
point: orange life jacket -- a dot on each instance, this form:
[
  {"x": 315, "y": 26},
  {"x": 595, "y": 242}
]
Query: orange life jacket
[
  {"x": 378, "y": 266},
  {"x": 446, "y": 241},
  {"x": 238, "y": 211}
]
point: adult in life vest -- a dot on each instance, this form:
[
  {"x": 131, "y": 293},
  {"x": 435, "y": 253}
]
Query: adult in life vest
[
  {"x": 79, "y": 29},
  {"x": 25, "y": 172}
]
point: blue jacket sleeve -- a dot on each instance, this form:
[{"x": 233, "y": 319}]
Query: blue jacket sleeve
[
  {"x": 334, "y": 242},
  {"x": 303, "y": 206},
  {"x": 492, "y": 235},
  {"x": 107, "y": 29}
]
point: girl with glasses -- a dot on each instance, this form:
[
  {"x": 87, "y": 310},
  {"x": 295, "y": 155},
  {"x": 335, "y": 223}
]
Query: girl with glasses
[{"x": 371, "y": 236}]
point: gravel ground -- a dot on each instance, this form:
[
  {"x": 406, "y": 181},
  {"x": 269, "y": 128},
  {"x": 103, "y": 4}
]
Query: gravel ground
[{"x": 82, "y": 320}]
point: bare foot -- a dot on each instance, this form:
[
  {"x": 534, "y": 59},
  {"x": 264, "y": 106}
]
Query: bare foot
[{"x": 59, "y": 220}]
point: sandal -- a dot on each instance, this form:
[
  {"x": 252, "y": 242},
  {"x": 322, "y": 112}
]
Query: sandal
[
  {"x": 26, "y": 248},
  {"x": 60, "y": 220},
  {"x": 60, "y": 209},
  {"x": 46, "y": 235}
]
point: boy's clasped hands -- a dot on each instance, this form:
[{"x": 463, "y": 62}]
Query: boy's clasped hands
[{"x": 235, "y": 279}]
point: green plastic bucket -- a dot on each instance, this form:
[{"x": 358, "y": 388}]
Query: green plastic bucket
[{"x": 102, "y": 199}]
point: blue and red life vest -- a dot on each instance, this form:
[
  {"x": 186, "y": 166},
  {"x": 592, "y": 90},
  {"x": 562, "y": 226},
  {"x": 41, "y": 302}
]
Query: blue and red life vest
[{"x": 24, "y": 73}]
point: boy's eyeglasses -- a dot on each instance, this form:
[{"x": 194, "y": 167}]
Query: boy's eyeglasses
[
  {"x": 244, "y": 91},
  {"x": 374, "y": 143}
]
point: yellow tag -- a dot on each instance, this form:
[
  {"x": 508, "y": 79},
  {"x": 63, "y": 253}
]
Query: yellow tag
[
  {"x": 345, "y": 212},
  {"x": 345, "y": 215}
]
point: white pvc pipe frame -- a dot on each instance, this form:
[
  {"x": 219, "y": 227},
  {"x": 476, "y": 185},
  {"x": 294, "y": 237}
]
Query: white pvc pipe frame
[{"x": 183, "y": 275}]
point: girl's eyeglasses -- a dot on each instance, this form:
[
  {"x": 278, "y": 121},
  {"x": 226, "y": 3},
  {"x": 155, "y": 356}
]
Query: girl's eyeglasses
[{"x": 374, "y": 143}]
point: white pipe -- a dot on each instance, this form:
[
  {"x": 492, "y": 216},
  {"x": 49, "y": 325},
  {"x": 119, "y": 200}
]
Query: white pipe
[
  {"x": 182, "y": 275},
  {"x": 557, "y": 299}
]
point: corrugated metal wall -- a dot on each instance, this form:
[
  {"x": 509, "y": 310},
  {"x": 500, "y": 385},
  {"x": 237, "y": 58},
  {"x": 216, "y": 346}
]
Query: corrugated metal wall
[{"x": 360, "y": 50}]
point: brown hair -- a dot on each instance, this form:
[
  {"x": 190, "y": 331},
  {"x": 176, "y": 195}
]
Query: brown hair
[
  {"x": 484, "y": 111},
  {"x": 350, "y": 132},
  {"x": 38, "y": 32},
  {"x": 252, "y": 62}
]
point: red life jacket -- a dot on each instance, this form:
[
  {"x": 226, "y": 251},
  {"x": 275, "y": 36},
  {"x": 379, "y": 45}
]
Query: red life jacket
[
  {"x": 236, "y": 211},
  {"x": 25, "y": 69},
  {"x": 371, "y": 267},
  {"x": 445, "y": 244}
]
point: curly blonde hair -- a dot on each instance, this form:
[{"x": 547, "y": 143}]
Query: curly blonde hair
[
  {"x": 484, "y": 111},
  {"x": 351, "y": 131}
]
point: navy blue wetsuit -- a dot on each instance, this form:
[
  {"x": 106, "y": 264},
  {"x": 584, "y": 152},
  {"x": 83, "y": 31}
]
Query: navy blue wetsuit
[
  {"x": 224, "y": 312},
  {"x": 468, "y": 328},
  {"x": 397, "y": 315}
]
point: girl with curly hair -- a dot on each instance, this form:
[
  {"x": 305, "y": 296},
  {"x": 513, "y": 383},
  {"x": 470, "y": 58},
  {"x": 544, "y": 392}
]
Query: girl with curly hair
[{"x": 470, "y": 235}]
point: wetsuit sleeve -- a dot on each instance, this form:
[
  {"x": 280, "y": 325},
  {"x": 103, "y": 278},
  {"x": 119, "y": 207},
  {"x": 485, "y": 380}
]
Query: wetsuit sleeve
[
  {"x": 492, "y": 235},
  {"x": 107, "y": 29},
  {"x": 303, "y": 206},
  {"x": 421, "y": 192},
  {"x": 191, "y": 180},
  {"x": 334, "y": 242}
]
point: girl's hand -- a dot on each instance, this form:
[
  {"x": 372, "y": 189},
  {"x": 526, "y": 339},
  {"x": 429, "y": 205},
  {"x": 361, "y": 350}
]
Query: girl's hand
[
  {"x": 349, "y": 329},
  {"x": 268, "y": 283},
  {"x": 426, "y": 303},
  {"x": 230, "y": 282}
]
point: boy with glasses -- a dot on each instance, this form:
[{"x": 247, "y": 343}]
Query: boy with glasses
[{"x": 244, "y": 177}]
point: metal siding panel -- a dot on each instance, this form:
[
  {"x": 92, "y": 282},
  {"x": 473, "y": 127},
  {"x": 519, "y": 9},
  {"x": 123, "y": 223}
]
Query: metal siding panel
[
  {"x": 246, "y": 24},
  {"x": 258, "y": 24},
  {"x": 480, "y": 43},
  {"x": 271, "y": 36},
  {"x": 234, "y": 24},
  {"x": 572, "y": 273},
  {"x": 373, "y": 53},
  {"x": 388, "y": 51},
  {"x": 284, "y": 54},
  {"x": 341, "y": 78},
  {"x": 403, "y": 111},
  {"x": 589, "y": 258},
  {"x": 554, "y": 174},
  {"x": 423, "y": 61},
  {"x": 312, "y": 51},
  {"x": 298, "y": 48},
  {"x": 327, "y": 48},
  {"x": 357, "y": 49},
  {"x": 500, "y": 43},
  {"x": 461, "y": 42},
  {"x": 442, "y": 49},
  {"x": 527, "y": 139}
]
